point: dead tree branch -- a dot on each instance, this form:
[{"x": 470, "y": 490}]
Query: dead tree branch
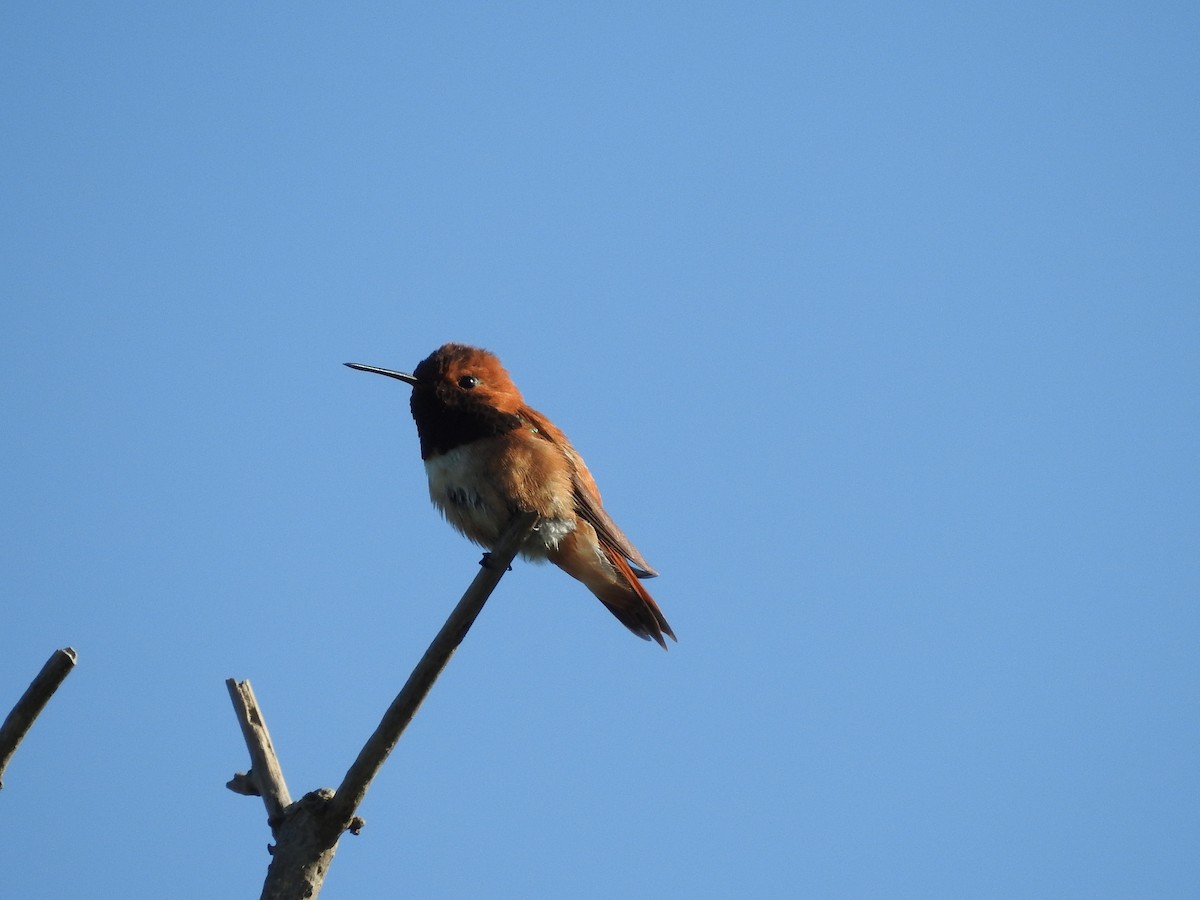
[
  {"x": 265, "y": 778},
  {"x": 33, "y": 701},
  {"x": 359, "y": 776},
  {"x": 307, "y": 831}
]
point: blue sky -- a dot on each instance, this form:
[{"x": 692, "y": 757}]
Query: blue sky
[{"x": 877, "y": 325}]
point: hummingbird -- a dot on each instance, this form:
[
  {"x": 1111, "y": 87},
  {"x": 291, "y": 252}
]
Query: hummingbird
[{"x": 488, "y": 456}]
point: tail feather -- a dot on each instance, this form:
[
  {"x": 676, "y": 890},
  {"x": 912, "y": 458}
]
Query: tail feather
[
  {"x": 608, "y": 575},
  {"x": 632, "y": 604}
]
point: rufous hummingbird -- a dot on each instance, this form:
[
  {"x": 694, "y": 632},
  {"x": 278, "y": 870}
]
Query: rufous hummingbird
[{"x": 488, "y": 456}]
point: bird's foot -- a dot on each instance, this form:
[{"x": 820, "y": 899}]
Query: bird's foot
[{"x": 487, "y": 563}]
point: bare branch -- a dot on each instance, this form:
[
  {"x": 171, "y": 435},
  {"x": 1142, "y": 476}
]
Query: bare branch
[
  {"x": 265, "y": 777},
  {"x": 307, "y": 831},
  {"x": 32, "y": 702},
  {"x": 380, "y": 745}
]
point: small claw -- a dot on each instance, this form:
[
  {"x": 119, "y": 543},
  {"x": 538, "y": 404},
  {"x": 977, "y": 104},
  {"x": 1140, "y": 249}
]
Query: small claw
[{"x": 486, "y": 562}]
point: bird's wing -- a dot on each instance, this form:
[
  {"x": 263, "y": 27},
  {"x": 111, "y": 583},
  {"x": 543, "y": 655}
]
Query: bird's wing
[{"x": 587, "y": 495}]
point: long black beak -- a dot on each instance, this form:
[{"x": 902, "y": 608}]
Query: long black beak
[{"x": 403, "y": 376}]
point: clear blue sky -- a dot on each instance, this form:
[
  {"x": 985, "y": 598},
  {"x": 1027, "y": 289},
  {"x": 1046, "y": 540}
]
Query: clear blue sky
[{"x": 878, "y": 324}]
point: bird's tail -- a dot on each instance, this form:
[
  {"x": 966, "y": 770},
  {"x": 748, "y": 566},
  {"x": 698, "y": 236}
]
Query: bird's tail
[
  {"x": 615, "y": 585},
  {"x": 633, "y": 605}
]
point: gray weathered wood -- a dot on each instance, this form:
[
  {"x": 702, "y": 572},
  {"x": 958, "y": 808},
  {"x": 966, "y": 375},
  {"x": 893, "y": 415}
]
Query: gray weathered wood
[
  {"x": 265, "y": 777},
  {"x": 307, "y": 831},
  {"x": 380, "y": 745}
]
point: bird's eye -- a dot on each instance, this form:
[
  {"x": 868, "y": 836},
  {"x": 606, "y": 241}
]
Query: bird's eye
[{"x": 467, "y": 382}]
